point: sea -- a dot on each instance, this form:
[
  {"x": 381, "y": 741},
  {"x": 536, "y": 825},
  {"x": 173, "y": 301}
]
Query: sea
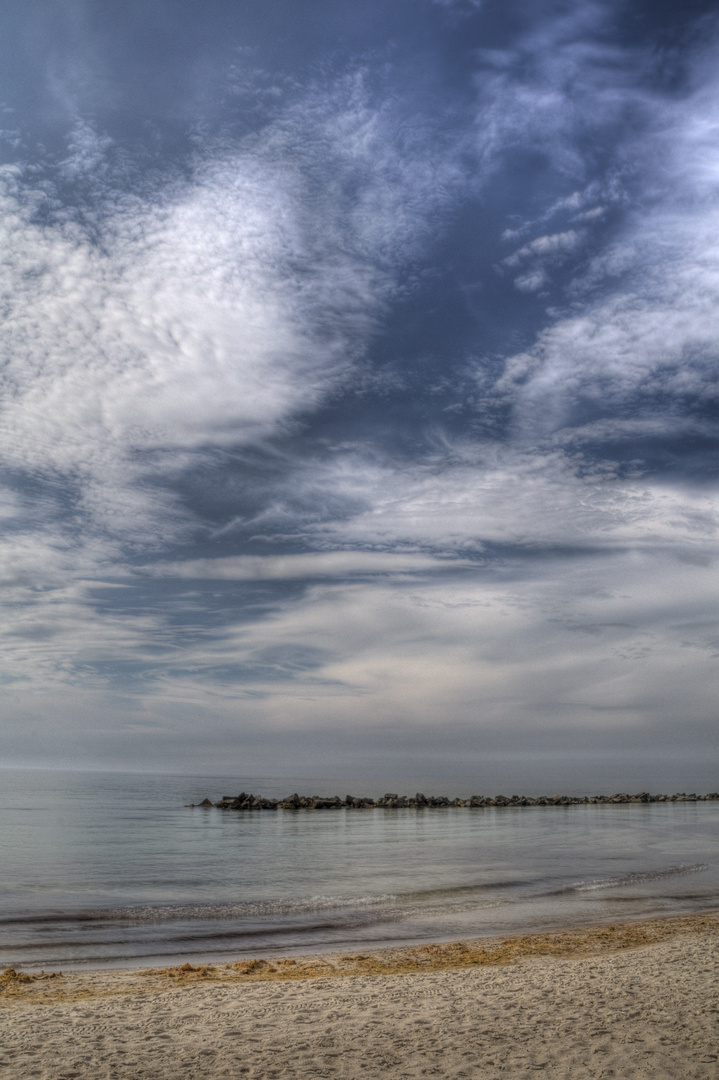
[{"x": 116, "y": 870}]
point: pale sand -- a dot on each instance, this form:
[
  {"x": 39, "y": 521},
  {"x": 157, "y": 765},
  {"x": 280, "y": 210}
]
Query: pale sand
[{"x": 637, "y": 1000}]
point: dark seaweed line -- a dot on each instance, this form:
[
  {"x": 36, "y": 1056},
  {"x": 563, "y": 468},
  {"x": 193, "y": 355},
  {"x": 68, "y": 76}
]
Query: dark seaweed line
[{"x": 391, "y": 801}]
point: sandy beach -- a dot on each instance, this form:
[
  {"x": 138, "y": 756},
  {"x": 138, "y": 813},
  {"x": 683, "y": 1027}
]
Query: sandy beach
[{"x": 632, "y": 1000}]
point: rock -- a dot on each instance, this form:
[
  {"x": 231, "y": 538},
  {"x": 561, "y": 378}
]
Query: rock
[
  {"x": 393, "y": 801},
  {"x": 326, "y": 804},
  {"x": 231, "y": 802},
  {"x": 353, "y": 803}
]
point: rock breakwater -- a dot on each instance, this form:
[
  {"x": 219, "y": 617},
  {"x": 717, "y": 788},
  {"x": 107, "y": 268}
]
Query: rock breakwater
[{"x": 393, "y": 801}]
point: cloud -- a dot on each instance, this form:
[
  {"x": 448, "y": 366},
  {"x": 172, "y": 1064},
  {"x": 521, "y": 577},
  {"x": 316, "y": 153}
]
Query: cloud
[
  {"x": 185, "y": 323},
  {"x": 557, "y": 244},
  {"x": 205, "y": 311},
  {"x": 542, "y": 252},
  {"x": 558, "y": 92},
  {"x": 580, "y": 655},
  {"x": 531, "y": 282},
  {"x": 638, "y": 340},
  {"x": 467, "y": 497},
  {"x": 344, "y": 564},
  {"x": 269, "y": 485}
]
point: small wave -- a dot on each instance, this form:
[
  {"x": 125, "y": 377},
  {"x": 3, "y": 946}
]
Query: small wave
[
  {"x": 266, "y": 908},
  {"x": 636, "y": 878},
  {"x": 202, "y": 912},
  {"x": 447, "y": 892}
]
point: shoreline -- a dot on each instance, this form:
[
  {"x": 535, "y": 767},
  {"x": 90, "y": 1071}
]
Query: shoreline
[
  {"x": 636, "y": 1001},
  {"x": 578, "y": 941}
]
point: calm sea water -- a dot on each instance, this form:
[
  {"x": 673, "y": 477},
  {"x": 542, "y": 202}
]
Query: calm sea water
[{"x": 109, "y": 869}]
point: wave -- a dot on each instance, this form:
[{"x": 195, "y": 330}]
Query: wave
[
  {"x": 270, "y": 919},
  {"x": 636, "y": 878},
  {"x": 157, "y": 913},
  {"x": 258, "y": 909}
]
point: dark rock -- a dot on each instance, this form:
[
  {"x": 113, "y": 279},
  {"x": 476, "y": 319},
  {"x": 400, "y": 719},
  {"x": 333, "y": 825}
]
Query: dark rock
[
  {"x": 326, "y": 804},
  {"x": 392, "y": 801},
  {"x": 358, "y": 803}
]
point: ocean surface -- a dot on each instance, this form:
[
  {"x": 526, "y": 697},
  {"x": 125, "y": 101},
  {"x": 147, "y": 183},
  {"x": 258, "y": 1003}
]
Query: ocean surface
[{"x": 107, "y": 869}]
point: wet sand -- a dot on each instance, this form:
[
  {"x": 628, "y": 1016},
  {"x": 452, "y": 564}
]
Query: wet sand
[{"x": 632, "y": 1000}]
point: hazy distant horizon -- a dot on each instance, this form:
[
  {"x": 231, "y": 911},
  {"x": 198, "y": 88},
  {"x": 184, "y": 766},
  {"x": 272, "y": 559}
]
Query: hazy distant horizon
[{"x": 454, "y": 785}]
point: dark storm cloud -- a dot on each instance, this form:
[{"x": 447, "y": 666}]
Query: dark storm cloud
[{"x": 359, "y": 377}]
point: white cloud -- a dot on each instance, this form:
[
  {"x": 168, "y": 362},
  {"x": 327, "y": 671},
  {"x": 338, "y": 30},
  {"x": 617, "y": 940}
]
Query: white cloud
[
  {"x": 87, "y": 155},
  {"x": 323, "y": 564},
  {"x": 555, "y": 90},
  {"x": 616, "y": 430},
  {"x": 642, "y": 328},
  {"x": 470, "y": 496},
  {"x": 185, "y": 324},
  {"x": 588, "y": 651},
  {"x": 557, "y": 244},
  {"x": 531, "y": 282},
  {"x": 209, "y": 312}
]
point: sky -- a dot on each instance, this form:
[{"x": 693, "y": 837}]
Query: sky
[{"x": 358, "y": 398}]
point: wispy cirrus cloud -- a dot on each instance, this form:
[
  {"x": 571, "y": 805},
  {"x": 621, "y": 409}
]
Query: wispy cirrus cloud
[{"x": 636, "y": 338}]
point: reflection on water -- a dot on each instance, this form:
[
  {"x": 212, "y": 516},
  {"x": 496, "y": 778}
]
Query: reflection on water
[{"x": 112, "y": 869}]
